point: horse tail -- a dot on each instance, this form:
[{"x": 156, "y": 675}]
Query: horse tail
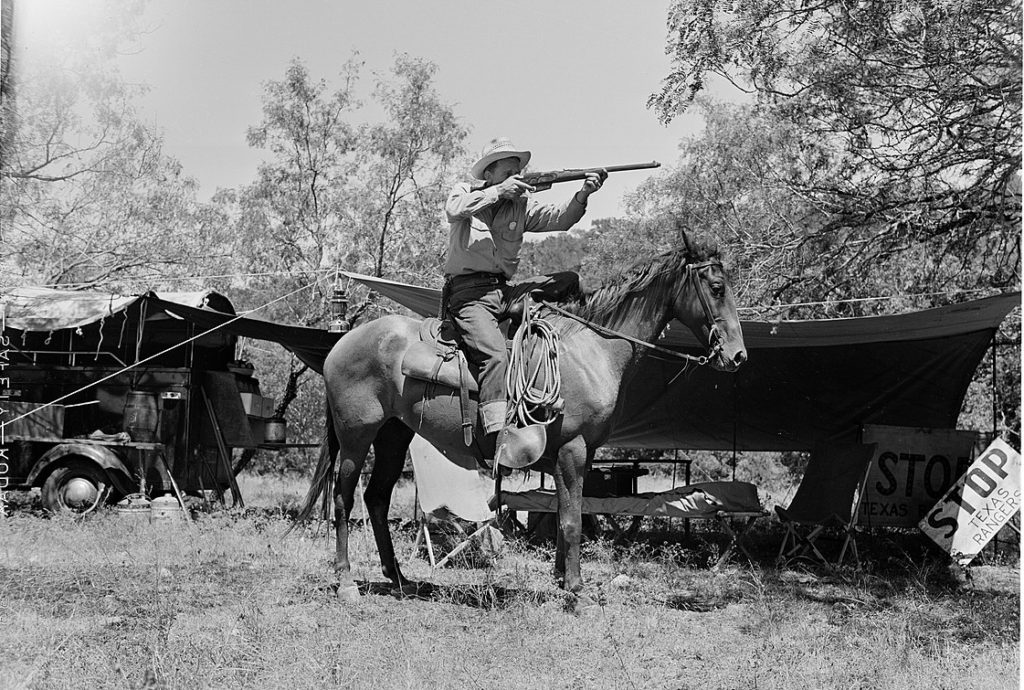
[{"x": 323, "y": 477}]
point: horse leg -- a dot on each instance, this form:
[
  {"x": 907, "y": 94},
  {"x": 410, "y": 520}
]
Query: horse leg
[
  {"x": 351, "y": 456},
  {"x": 560, "y": 553},
  {"x": 389, "y": 448},
  {"x": 570, "y": 469},
  {"x": 560, "y": 541}
]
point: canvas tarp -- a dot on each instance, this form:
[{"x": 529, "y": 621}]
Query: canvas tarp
[
  {"x": 43, "y": 310},
  {"x": 805, "y": 381},
  {"x": 310, "y": 345}
]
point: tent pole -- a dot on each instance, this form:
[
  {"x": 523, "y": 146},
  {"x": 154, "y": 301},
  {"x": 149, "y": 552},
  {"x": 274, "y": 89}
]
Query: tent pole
[
  {"x": 995, "y": 405},
  {"x": 995, "y": 419},
  {"x": 735, "y": 416}
]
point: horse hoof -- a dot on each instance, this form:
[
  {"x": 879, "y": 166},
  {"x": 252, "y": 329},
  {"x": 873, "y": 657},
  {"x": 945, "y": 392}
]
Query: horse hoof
[{"x": 348, "y": 593}]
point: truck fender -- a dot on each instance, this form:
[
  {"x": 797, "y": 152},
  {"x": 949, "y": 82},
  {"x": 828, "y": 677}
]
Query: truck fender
[{"x": 101, "y": 455}]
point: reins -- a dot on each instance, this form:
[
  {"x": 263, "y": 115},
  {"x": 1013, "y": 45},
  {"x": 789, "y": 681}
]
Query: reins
[
  {"x": 692, "y": 271},
  {"x": 612, "y": 333}
]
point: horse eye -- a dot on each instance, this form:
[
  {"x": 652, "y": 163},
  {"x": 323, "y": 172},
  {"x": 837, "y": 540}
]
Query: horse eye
[{"x": 717, "y": 289}]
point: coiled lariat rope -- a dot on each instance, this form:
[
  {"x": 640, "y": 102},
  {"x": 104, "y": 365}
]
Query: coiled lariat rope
[{"x": 533, "y": 378}]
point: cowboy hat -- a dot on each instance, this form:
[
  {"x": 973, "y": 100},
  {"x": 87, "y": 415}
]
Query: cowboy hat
[{"x": 495, "y": 151}]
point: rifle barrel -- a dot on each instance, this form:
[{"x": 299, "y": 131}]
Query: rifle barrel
[
  {"x": 634, "y": 166},
  {"x": 544, "y": 180}
]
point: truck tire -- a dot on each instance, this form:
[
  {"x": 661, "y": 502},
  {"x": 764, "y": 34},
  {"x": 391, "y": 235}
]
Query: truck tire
[{"x": 76, "y": 486}]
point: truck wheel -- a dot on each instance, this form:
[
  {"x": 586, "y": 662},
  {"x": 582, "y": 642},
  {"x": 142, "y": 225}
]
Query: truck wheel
[{"x": 76, "y": 486}]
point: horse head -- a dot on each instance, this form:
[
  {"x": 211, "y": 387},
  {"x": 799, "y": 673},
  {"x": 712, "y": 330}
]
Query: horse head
[{"x": 704, "y": 302}]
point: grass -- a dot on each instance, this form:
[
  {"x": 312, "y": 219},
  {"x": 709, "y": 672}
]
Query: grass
[{"x": 230, "y": 603}]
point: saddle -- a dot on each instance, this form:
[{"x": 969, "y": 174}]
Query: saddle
[{"x": 438, "y": 359}]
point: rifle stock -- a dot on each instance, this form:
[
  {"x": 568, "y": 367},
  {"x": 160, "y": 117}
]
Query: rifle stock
[{"x": 543, "y": 180}]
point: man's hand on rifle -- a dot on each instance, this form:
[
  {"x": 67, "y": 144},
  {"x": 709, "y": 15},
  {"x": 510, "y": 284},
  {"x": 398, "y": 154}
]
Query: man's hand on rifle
[
  {"x": 513, "y": 187},
  {"x": 591, "y": 184}
]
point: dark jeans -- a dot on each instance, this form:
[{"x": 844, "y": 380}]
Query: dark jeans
[{"x": 478, "y": 302}]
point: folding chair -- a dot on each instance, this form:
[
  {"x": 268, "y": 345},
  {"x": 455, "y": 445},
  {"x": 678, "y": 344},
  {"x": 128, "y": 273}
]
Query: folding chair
[
  {"x": 486, "y": 534},
  {"x": 447, "y": 489},
  {"x": 828, "y": 498}
]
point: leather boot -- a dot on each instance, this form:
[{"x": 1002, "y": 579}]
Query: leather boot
[{"x": 492, "y": 416}]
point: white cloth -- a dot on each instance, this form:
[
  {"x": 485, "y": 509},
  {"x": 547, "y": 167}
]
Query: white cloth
[{"x": 449, "y": 483}]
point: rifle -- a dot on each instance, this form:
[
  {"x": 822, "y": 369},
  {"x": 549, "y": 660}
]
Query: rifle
[{"x": 543, "y": 180}]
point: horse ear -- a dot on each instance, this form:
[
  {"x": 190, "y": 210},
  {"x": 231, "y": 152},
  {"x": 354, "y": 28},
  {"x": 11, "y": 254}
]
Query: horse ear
[{"x": 686, "y": 240}]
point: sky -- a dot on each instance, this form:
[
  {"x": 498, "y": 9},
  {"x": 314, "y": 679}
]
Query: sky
[{"x": 568, "y": 80}]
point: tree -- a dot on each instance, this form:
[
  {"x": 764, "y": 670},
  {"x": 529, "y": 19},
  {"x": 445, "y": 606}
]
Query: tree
[
  {"x": 287, "y": 219},
  {"x": 919, "y": 103},
  {"x": 337, "y": 193},
  {"x": 364, "y": 197},
  {"x": 405, "y": 165},
  {"x": 89, "y": 197}
]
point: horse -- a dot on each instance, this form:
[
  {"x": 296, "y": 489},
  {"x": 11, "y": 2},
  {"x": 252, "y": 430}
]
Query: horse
[{"x": 602, "y": 338}]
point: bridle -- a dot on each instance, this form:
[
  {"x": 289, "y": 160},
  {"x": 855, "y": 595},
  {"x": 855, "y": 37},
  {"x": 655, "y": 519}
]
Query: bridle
[{"x": 711, "y": 321}]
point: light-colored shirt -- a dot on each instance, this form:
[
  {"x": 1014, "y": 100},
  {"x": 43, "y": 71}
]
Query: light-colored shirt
[{"x": 487, "y": 232}]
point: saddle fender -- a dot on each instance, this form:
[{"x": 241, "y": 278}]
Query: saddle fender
[{"x": 435, "y": 357}]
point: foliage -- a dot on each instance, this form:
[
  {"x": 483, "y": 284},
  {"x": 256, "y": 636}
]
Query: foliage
[
  {"x": 919, "y": 101},
  {"x": 339, "y": 192},
  {"x": 405, "y": 171},
  {"x": 89, "y": 197},
  {"x": 741, "y": 182}
]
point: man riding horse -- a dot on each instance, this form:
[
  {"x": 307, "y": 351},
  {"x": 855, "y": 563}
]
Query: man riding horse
[
  {"x": 488, "y": 220},
  {"x": 373, "y": 400}
]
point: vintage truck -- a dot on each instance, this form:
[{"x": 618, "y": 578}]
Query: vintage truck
[{"x": 103, "y": 396}]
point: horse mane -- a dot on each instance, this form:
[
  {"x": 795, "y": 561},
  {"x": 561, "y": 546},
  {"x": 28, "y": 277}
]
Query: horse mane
[{"x": 657, "y": 276}]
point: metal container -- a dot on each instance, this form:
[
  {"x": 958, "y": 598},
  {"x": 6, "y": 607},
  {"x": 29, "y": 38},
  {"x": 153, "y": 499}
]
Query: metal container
[
  {"x": 141, "y": 416},
  {"x": 134, "y": 508},
  {"x": 166, "y": 509},
  {"x": 275, "y": 430}
]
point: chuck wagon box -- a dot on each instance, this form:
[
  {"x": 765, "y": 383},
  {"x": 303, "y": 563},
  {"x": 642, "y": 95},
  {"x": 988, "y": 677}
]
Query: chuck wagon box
[{"x": 106, "y": 395}]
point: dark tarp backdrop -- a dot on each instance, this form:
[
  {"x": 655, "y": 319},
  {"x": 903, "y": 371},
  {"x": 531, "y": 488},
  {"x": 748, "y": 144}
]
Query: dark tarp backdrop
[{"x": 805, "y": 381}]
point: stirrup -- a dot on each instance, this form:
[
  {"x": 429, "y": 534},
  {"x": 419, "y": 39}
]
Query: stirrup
[{"x": 520, "y": 447}]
